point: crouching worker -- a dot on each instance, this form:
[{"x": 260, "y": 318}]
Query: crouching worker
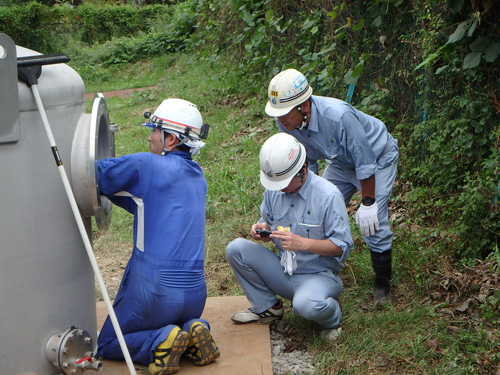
[
  {"x": 308, "y": 221},
  {"x": 163, "y": 291}
]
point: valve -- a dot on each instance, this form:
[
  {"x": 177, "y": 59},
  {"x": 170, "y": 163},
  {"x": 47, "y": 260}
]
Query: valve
[{"x": 71, "y": 352}]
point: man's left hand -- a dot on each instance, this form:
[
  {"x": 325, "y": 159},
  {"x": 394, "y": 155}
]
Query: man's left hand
[
  {"x": 289, "y": 241},
  {"x": 367, "y": 219}
]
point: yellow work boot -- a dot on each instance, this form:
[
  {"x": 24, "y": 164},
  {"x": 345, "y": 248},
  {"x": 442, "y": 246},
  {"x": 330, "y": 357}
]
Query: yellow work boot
[
  {"x": 202, "y": 348},
  {"x": 169, "y": 352}
]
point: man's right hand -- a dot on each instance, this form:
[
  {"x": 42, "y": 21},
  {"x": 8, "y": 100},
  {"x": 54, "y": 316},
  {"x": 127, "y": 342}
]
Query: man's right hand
[{"x": 260, "y": 226}]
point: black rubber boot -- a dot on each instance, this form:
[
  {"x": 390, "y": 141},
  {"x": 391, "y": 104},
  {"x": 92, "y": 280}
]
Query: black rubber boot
[{"x": 382, "y": 266}]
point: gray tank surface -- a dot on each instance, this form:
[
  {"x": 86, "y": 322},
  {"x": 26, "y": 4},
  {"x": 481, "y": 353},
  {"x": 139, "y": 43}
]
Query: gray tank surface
[{"x": 47, "y": 293}]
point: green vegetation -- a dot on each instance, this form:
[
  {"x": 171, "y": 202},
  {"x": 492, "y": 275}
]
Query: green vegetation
[{"x": 429, "y": 69}]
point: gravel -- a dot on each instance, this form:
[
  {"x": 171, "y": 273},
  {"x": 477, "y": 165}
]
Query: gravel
[{"x": 289, "y": 355}]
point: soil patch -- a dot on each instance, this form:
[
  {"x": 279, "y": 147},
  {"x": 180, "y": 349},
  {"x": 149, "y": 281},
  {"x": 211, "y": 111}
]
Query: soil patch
[{"x": 119, "y": 93}]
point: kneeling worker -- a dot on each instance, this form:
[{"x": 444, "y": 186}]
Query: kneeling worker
[
  {"x": 308, "y": 221},
  {"x": 163, "y": 291}
]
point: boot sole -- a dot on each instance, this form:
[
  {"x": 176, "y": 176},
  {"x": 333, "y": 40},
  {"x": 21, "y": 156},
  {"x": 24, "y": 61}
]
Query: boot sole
[{"x": 204, "y": 350}]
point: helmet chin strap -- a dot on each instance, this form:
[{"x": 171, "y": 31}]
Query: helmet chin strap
[
  {"x": 166, "y": 150},
  {"x": 304, "y": 120},
  {"x": 301, "y": 175}
]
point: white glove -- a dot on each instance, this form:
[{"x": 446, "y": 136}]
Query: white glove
[
  {"x": 367, "y": 219},
  {"x": 288, "y": 261}
]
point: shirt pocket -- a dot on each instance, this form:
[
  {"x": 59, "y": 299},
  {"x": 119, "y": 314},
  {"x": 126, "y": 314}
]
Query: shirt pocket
[
  {"x": 276, "y": 219},
  {"x": 310, "y": 228},
  {"x": 333, "y": 150}
]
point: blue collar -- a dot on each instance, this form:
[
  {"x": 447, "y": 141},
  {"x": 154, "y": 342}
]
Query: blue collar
[{"x": 182, "y": 154}]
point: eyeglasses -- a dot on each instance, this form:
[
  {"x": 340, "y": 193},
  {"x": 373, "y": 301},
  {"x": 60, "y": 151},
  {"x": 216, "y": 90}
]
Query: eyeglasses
[{"x": 299, "y": 173}]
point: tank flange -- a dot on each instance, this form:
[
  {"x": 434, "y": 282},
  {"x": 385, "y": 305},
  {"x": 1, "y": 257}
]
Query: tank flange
[{"x": 71, "y": 352}]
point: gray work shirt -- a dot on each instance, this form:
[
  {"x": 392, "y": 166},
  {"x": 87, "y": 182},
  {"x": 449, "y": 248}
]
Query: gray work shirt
[
  {"x": 346, "y": 138},
  {"x": 316, "y": 211}
]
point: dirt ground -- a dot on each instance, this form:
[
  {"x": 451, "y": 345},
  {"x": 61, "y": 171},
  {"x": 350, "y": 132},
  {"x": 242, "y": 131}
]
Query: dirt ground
[
  {"x": 112, "y": 261},
  {"x": 119, "y": 93}
]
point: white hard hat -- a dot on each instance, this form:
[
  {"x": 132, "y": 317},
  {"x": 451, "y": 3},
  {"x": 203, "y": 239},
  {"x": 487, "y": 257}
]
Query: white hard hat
[
  {"x": 281, "y": 158},
  {"x": 287, "y": 90},
  {"x": 180, "y": 116}
]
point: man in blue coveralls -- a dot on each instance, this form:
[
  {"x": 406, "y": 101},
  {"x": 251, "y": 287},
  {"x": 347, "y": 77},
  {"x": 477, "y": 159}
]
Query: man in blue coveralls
[
  {"x": 307, "y": 221},
  {"x": 359, "y": 151},
  {"x": 163, "y": 291}
]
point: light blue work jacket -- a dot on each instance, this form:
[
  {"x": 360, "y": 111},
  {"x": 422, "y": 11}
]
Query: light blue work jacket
[{"x": 345, "y": 137}]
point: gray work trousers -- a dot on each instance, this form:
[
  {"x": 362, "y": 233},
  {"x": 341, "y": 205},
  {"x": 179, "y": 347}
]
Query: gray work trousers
[
  {"x": 347, "y": 183},
  {"x": 260, "y": 274}
]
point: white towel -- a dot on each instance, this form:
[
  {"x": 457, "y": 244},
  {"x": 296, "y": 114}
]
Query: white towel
[{"x": 288, "y": 261}]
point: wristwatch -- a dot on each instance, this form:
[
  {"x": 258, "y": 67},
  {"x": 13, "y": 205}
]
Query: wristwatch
[{"x": 368, "y": 201}]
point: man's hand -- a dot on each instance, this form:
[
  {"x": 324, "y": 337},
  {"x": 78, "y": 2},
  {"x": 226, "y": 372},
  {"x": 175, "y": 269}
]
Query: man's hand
[
  {"x": 258, "y": 237},
  {"x": 367, "y": 219},
  {"x": 289, "y": 241}
]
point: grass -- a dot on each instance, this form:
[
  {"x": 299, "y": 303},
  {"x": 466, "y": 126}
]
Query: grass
[{"x": 422, "y": 334}]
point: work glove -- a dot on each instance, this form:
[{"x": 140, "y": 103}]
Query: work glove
[
  {"x": 288, "y": 261},
  {"x": 367, "y": 219}
]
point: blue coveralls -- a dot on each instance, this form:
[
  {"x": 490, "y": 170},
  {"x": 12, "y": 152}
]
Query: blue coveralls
[
  {"x": 316, "y": 211},
  {"x": 356, "y": 146},
  {"x": 164, "y": 283}
]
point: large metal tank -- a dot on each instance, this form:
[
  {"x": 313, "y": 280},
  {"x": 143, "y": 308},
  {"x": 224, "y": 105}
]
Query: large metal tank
[{"x": 47, "y": 294}]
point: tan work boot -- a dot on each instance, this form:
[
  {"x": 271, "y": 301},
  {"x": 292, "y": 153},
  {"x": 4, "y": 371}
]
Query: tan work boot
[
  {"x": 169, "y": 352},
  {"x": 201, "y": 348}
]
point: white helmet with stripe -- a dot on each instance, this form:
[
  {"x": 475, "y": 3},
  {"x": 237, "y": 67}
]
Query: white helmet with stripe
[
  {"x": 287, "y": 90},
  {"x": 178, "y": 115},
  {"x": 182, "y": 118},
  {"x": 281, "y": 158}
]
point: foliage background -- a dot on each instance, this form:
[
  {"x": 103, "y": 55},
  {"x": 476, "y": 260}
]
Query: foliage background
[{"x": 428, "y": 69}]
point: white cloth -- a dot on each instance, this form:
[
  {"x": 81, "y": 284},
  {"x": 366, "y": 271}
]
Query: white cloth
[
  {"x": 367, "y": 219},
  {"x": 288, "y": 261},
  {"x": 195, "y": 145}
]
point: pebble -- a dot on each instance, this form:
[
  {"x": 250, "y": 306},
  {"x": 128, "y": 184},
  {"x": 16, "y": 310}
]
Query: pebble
[{"x": 294, "y": 362}]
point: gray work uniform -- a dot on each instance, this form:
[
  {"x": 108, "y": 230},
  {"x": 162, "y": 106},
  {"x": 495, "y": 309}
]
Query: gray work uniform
[
  {"x": 356, "y": 146},
  {"x": 316, "y": 211}
]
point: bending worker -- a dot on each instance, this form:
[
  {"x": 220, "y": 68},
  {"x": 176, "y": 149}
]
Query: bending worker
[
  {"x": 360, "y": 153},
  {"x": 163, "y": 291},
  {"x": 309, "y": 226}
]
